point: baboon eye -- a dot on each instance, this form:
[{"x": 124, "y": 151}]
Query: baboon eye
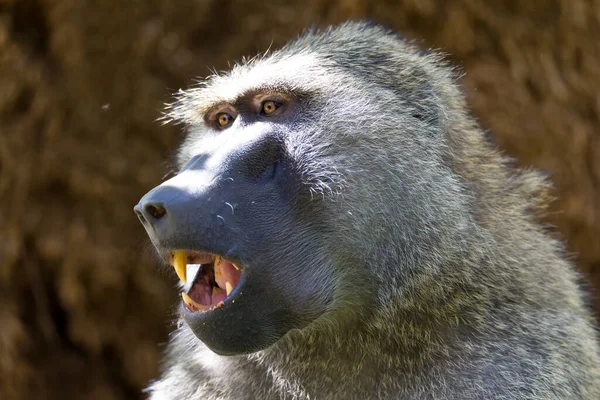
[
  {"x": 224, "y": 119},
  {"x": 269, "y": 107}
]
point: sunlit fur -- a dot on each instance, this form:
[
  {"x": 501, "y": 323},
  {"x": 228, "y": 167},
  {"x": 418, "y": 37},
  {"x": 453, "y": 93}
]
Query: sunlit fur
[{"x": 445, "y": 286}]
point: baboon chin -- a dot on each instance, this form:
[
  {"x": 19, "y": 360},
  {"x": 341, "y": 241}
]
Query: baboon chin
[{"x": 342, "y": 230}]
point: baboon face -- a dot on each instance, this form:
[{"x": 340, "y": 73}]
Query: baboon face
[{"x": 290, "y": 181}]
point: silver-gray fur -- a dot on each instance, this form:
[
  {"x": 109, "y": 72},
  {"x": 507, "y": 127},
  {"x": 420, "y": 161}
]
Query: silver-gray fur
[{"x": 439, "y": 283}]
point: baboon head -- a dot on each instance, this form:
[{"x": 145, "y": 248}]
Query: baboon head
[{"x": 313, "y": 187}]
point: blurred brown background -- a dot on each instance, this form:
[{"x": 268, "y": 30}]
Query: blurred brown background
[{"x": 83, "y": 307}]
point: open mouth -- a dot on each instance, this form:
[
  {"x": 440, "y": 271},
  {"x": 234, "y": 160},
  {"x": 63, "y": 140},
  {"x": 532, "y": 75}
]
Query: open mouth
[{"x": 208, "y": 279}]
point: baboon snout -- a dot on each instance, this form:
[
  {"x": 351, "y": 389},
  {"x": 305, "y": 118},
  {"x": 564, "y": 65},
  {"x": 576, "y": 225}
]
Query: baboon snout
[
  {"x": 217, "y": 197},
  {"x": 180, "y": 208}
]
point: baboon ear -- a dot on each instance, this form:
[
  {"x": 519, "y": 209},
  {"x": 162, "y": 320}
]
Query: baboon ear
[
  {"x": 426, "y": 106},
  {"x": 419, "y": 98}
]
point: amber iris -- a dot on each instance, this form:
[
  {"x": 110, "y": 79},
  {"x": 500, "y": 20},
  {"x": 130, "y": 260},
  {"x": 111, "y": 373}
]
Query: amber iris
[
  {"x": 224, "y": 119},
  {"x": 269, "y": 107}
]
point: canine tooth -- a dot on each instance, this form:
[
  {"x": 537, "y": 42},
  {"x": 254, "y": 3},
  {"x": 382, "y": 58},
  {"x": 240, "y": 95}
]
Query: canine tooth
[
  {"x": 235, "y": 266},
  {"x": 179, "y": 262},
  {"x": 217, "y": 260},
  {"x": 228, "y": 288},
  {"x": 191, "y": 270},
  {"x": 191, "y": 303},
  {"x": 191, "y": 273}
]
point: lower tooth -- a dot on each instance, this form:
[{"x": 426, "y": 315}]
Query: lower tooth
[
  {"x": 228, "y": 288},
  {"x": 191, "y": 304}
]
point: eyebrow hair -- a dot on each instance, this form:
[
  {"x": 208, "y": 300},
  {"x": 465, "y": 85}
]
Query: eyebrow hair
[{"x": 191, "y": 105}]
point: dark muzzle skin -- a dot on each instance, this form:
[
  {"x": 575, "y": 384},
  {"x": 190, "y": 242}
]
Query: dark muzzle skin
[
  {"x": 234, "y": 203},
  {"x": 253, "y": 319}
]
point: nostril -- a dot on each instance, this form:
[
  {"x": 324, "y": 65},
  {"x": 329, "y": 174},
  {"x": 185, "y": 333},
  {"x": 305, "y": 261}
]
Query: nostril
[
  {"x": 139, "y": 211},
  {"x": 155, "y": 210}
]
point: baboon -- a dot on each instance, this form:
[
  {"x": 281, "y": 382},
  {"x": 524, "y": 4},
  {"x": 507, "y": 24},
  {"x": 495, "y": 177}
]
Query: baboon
[{"x": 342, "y": 229}]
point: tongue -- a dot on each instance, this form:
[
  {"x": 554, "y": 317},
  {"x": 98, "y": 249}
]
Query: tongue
[{"x": 218, "y": 295}]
